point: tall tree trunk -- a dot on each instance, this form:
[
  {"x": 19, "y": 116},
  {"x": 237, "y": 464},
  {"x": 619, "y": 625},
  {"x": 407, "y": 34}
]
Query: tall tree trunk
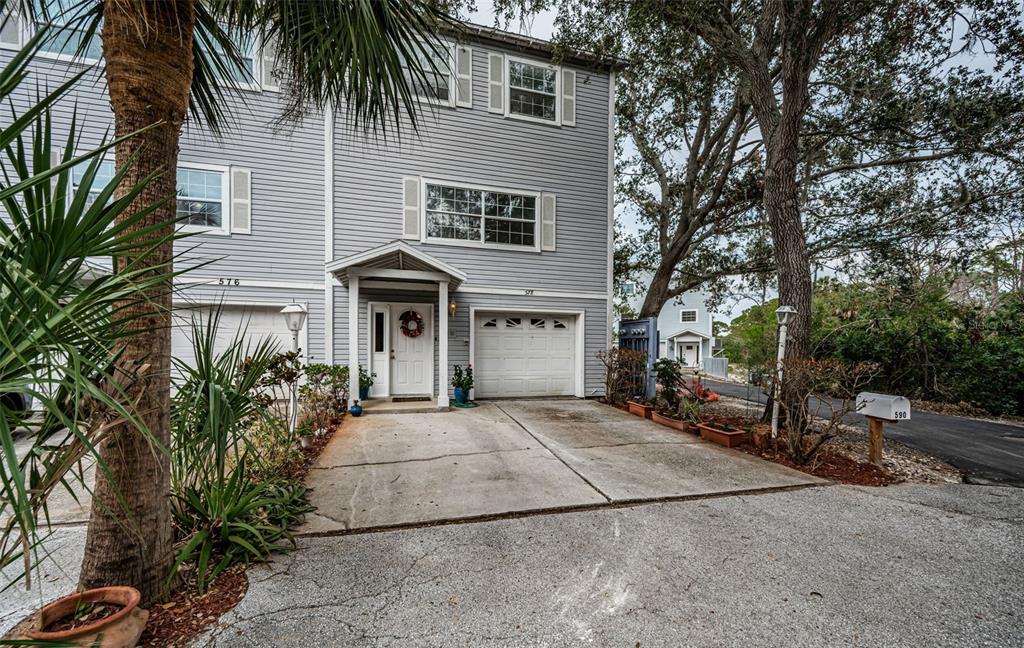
[
  {"x": 147, "y": 47},
  {"x": 655, "y": 296}
]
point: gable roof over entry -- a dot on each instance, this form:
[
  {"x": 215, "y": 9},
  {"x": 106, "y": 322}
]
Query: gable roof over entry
[{"x": 396, "y": 260}]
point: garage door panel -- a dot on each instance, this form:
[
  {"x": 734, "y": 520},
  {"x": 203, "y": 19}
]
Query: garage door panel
[{"x": 524, "y": 355}]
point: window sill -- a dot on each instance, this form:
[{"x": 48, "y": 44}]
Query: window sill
[
  {"x": 482, "y": 246},
  {"x": 196, "y": 229},
  {"x": 534, "y": 120}
]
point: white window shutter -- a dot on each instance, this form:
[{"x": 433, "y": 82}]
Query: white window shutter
[
  {"x": 411, "y": 207},
  {"x": 568, "y": 97},
  {"x": 241, "y": 201},
  {"x": 496, "y": 83},
  {"x": 269, "y": 80},
  {"x": 547, "y": 222},
  {"x": 464, "y": 75},
  {"x": 10, "y": 30}
]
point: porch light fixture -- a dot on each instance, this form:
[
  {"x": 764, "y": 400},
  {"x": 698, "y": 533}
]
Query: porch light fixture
[
  {"x": 294, "y": 317},
  {"x": 451, "y": 309},
  {"x": 783, "y": 314}
]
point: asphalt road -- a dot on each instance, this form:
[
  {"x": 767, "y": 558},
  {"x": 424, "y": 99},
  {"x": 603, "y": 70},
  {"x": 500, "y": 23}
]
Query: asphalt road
[{"x": 987, "y": 452}]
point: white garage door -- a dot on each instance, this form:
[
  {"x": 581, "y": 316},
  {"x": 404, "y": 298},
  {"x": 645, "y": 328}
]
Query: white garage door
[
  {"x": 523, "y": 354},
  {"x": 258, "y": 321}
]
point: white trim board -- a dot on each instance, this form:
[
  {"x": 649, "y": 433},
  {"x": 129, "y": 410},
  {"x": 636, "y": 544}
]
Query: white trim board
[
  {"x": 581, "y": 337},
  {"x": 329, "y": 231},
  {"x": 242, "y": 282},
  {"x": 531, "y": 292}
]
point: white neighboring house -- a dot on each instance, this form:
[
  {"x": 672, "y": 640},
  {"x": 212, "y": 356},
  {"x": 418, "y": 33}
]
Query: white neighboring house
[{"x": 684, "y": 325}]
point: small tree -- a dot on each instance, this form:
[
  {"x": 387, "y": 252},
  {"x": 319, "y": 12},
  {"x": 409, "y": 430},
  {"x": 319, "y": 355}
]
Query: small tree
[
  {"x": 829, "y": 390},
  {"x": 625, "y": 374}
]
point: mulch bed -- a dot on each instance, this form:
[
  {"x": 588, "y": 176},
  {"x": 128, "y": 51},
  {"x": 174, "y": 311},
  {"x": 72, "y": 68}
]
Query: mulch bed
[
  {"x": 829, "y": 465},
  {"x": 188, "y": 614}
]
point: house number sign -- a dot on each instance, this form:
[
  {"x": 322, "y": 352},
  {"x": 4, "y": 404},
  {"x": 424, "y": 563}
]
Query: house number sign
[{"x": 228, "y": 281}]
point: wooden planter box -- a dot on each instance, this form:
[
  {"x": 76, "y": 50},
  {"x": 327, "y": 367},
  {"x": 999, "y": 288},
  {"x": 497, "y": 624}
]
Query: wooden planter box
[
  {"x": 675, "y": 424},
  {"x": 640, "y": 409},
  {"x": 721, "y": 437}
]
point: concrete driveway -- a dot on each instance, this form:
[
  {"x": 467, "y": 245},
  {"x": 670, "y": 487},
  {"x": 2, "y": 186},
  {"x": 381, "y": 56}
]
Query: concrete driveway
[{"x": 507, "y": 457}]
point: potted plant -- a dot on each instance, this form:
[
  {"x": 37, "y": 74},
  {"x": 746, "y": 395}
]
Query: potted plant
[
  {"x": 462, "y": 382},
  {"x": 722, "y": 433},
  {"x": 669, "y": 398},
  {"x": 306, "y": 436},
  {"x": 356, "y": 409},
  {"x": 639, "y": 407},
  {"x": 107, "y": 617},
  {"x": 366, "y": 379}
]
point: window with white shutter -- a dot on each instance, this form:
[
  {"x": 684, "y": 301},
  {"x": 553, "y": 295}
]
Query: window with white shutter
[
  {"x": 269, "y": 76},
  {"x": 496, "y": 83},
  {"x": 411, "y": 207},
  {"x": 241, "y": 201},
  {"x": 464, "y": 75},
  {"x": 547, "y": 222},
  {"x": 568, "y": 97}
]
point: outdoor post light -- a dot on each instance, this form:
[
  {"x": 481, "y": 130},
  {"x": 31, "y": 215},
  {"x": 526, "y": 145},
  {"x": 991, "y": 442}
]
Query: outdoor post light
[
  {"x": 783, "y": 314},
  {"x": 294, "y": 317},
  {"x": 451, "y": 309}
]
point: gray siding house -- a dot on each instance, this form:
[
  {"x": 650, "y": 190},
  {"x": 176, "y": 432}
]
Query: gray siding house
[
  {"x": 684, "y": 326},
  {"x": 483, "y": 238}
]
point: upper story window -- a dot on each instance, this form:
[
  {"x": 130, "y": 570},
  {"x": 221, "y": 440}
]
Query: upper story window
[
  {"x": 533, "y": 90},
  {"x": 66, "y": 42},
  {"x": 202, "y": 198},
  {"x": 628, "y": 288},
  {"x": 437, "y": 67},
  {"x": 480, "y": 216},
  {"x": 687, "y": 316},
  {"x": 247, "y": 74}
]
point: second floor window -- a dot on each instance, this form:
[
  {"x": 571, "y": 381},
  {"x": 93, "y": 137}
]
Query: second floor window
[
  {"x": 628, "y": 288},
  {"x": 686, "y": 316},
  {"x": 437, "y": 86},
  {"x": 202, "y": 194},
  {"x": 104, "y": 174},
  {"x": 66, "y": 41},
  {"x": 481, "y": 216},
  {"x": 533, "y": 90}
]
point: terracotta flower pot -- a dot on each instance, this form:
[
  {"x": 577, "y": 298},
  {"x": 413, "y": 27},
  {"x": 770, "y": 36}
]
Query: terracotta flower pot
[
  {"x": 728, "y": 438},
  {"x": 640, "y": 409},
  {"x": 675, "y": 424},
  {"x": 119, "y": 630}
]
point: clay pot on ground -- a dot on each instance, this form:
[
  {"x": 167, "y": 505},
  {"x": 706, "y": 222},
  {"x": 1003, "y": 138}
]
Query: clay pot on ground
[
  {"x": 675, "y": 424},
  {"x": 119, "y": 630},
  {"x": 640, "y": 409},
  {"x": 727, "y": 438}
]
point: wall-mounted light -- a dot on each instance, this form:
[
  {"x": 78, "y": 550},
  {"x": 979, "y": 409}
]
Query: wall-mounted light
[{"x": 451, "y": 309}]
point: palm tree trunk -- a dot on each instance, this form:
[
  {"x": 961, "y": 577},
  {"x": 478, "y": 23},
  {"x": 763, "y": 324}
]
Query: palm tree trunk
[{"x": 148, "y": 51}]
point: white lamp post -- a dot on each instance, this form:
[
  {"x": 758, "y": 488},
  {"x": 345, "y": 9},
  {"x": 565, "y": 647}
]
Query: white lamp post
[
  {"x": 294, "y": 317},
  {"x": 783, "y": 315}
]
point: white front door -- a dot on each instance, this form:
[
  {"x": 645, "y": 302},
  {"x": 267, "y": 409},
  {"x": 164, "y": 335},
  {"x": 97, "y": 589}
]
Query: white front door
[
  {"x": 688, "y": 353},
  {"x": 412, "y": 356}
]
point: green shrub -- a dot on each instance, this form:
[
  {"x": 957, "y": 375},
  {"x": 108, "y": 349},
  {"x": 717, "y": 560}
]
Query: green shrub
[
  {"x": 325, "y": 393},
  {"x": 228, "y": 500}
]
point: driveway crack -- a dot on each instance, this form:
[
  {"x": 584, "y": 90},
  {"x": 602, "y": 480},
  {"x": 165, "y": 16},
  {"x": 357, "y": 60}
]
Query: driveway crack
[
  {"x": 553, "y": 453},
  {"x": 420, "y": 459}
]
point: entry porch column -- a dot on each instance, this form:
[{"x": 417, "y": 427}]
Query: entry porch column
[
  {"x": 442, "y": 343},
  {"x": 353, "y": 337}
]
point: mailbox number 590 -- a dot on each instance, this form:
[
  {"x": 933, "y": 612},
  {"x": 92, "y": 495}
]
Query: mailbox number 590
[{"x": 900, "y": 415}]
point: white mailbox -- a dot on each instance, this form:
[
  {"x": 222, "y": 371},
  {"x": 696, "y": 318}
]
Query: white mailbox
[{"x": 883, "y": 406}]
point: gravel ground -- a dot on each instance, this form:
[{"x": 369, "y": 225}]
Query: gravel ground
[{"x": 903, "y": 462}]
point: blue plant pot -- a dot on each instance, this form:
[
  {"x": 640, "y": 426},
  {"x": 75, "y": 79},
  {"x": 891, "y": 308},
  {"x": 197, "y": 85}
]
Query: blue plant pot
[
  {"x": 460, "y": 395},
  {"x": 356, "y": 410},
  {"x": 364, "y": 393}
]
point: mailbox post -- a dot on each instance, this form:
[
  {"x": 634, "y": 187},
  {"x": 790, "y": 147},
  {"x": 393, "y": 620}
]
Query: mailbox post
[{"x": 879, "y": 408}]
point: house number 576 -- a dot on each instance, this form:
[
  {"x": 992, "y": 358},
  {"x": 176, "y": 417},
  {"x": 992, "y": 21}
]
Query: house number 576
[
  {"x": 225, "y": 281},
  {"x": 527, "y": 292}
]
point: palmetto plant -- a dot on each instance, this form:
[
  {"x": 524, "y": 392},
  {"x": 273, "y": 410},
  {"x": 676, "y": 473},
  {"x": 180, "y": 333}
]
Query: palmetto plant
[
  {"x": 60, "y": 323},
  {"x": 162, "y": 60},
  {"x": 223, "y": 515}
]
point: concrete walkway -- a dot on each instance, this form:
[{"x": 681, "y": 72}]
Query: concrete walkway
[{"x": 506, "y": 457}]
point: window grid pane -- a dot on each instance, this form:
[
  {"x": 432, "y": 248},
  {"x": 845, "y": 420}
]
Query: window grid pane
[
  {"x": 532, "y": 90},
  {"x": 200, "y": 198},
  {"x": 454, "y": 213},
  {"x": 436, "y": 85}
]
